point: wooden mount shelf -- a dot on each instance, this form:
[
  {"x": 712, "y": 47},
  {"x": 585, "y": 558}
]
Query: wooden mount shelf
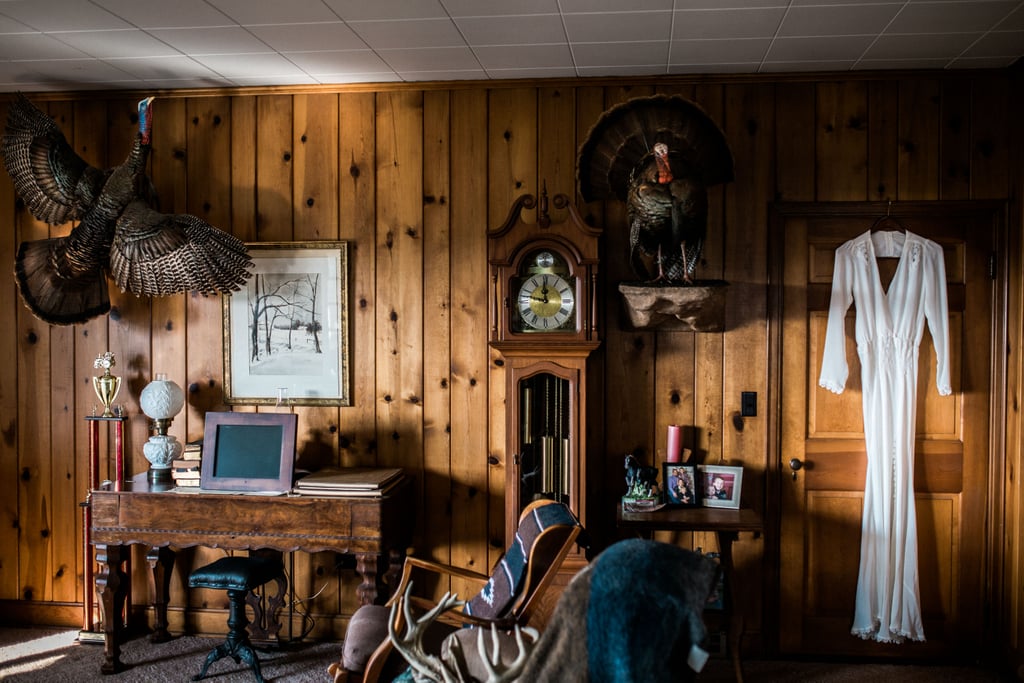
[{"x": 699, "y": 307}]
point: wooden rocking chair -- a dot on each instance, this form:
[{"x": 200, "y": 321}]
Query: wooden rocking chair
[{"x": 508, "y": 597}]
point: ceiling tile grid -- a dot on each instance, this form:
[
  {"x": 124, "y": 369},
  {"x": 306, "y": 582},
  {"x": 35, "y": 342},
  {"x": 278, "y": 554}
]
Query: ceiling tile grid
[{"x": 133, "y": 44}]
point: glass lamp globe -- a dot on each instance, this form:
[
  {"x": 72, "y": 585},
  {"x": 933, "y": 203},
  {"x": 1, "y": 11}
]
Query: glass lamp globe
[{"x": 161, "y": 400}]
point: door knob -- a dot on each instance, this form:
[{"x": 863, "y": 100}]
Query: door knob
[{"x": 796, "y": 465}]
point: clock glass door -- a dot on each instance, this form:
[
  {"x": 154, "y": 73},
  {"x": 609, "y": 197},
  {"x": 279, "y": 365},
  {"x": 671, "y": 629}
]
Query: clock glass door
[{"x": 545, "y": 446}]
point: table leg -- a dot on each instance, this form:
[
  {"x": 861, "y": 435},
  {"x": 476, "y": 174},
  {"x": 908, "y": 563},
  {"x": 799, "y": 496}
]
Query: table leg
[
  {"x": 161, "y": 562},
  {"x": 396, "y": 560},
  {"x": 111, "y": 586},
  {"x": 735, "y": 635},
  {"x": 366, "y": 567}
]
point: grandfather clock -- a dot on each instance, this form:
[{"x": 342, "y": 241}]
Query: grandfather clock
[{"x": 543, "y": 321}]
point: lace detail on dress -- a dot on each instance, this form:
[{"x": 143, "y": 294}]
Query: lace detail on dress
[{"x": 834, "y": 387}]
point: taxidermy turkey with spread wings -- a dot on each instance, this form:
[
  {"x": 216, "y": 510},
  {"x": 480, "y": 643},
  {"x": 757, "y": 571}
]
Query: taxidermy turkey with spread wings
[
  {"x": 63, "y": 280},
  {"x": 658, "y": 154}
]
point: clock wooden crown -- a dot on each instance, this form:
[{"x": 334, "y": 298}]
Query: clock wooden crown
[{"x": 543, "y": 278}]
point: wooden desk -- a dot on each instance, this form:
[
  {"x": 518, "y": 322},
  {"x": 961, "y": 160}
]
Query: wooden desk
[
  {"x": 726, "y": 524},
  {"x": 375, "y": 530}
]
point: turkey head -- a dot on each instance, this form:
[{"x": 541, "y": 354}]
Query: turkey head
[
  {"x": 659, "y": 155},
  {"x": 120, "y": 232}
]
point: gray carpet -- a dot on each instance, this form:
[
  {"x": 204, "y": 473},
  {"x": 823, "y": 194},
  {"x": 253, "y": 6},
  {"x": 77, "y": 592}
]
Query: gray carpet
[{"x": 53, "y": 656}]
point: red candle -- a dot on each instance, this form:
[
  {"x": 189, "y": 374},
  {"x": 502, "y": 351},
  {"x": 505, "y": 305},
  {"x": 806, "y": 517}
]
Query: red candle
[{"x": 674, "y": 443}]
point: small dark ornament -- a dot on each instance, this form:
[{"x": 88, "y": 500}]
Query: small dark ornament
[
  {"x": 658, "y": 154},
  {"x": 120, "y": 231}
]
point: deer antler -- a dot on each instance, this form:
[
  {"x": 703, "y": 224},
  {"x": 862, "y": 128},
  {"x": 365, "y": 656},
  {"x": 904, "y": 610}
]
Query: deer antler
[{"x": 429, "y": 668}]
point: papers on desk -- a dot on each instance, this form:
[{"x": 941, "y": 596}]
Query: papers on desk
[{"x": 349, "y": 481}]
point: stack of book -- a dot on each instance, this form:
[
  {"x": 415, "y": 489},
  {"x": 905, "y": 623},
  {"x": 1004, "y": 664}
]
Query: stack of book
[
  {"x": 349, "y": 482},
  {"x": 187, "y": 470}
]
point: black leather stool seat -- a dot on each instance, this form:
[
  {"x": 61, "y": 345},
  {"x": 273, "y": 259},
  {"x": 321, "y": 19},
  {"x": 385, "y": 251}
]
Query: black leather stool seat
[
  {"x": 236, "y": 573},
  {"x": 238, "y": 576}
]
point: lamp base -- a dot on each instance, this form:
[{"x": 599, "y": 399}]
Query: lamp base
[{"x": 160, "y": 475}]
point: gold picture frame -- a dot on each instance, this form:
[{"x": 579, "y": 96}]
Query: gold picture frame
[{"x": 286, "y": 337}]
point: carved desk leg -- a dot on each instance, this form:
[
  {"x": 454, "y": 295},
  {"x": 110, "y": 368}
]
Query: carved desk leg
[
  {"x": 735, "y": 635},
  {"x": 112, "y": 587},
  {"x": 396, "y": 560},
  {"x": 366, "y": 567},
  {"x": 161, "y": 562}
]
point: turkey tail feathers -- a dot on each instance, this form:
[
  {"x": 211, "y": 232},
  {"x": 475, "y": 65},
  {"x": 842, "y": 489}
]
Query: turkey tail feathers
[
  {"x": 627, "y": 132},
  {"x": 54, "y": 298}
]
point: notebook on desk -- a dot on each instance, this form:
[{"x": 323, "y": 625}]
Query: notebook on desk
[{"x": 349, "y": 481}]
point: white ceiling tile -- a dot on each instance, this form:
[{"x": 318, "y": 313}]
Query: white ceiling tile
[
  {"x": 491, "y": 8},
  {"x": 1014, "y": 21},
  {"x": 385, "y": 35},
  {"x": 163, "y": 68},
  {"x": 996, "y": 44},
  {"x": 370, "y": 77},
  {"x": 922, "y": 47},
  {"x": 733, "y": 4},
  {"x": 837, "y": 20},
  {"x": 79, "y": 70},
  {"x": 727, "y": 23},
  {"x": 430, "y": 59},
  {"x": 65, "y": 15},
  {"x": 518, "y": 30},
  {"x": 613, "y": 6},
  {"x": 623, "y": 70},
  {"x": 876, "y": 64},
  {"x": 275, "y": 79},
  {"x": 8, "y": 25},
  {"x": 31, "y": 46},
  {"x": 165, "y": 14},
  {"x": 291, "y": 12},
  {"x": 323, "y": 36},
  {"x": 618, "y": 27},
  {"x": 747, "y": 50},
  {"x": 535, "y": 72},
  {"x": 192, "y": 83},
  {"x": 982, "y": 63},
  {"x": 225, "y": 40},
  {"x": 444, "y": 75},
  {"x": 377, "y": 10},
  {"x": 829, "y": 48},
  {"x": 250, "y": 65},
  {"x": 338, "y": 62},
  {"x": 532, "y": 56},
  {"x": 815, "y": 65},
  {"x": 626, "y": 54},
  {"x": 950, "y": 17},
  {"x": 122, "y": 43}
]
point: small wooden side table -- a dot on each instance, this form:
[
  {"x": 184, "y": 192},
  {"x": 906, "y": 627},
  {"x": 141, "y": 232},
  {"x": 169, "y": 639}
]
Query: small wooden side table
[{"x": 726, "y": 524}]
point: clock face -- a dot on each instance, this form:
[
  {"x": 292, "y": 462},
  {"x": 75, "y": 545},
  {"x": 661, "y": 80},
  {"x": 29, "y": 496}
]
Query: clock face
[{"x": 546, "y": 302}]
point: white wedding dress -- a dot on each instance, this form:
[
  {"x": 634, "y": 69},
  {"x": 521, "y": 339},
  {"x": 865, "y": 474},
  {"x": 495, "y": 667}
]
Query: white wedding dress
[{"x": 888, "y": 331}]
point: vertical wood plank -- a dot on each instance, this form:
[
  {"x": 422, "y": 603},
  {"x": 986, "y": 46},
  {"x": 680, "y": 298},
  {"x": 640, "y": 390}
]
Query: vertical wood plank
[
  {"x": 990, "y": 144},
  {"x": 439, "y": 252},
  {"x": 556, "y": 153},
  {"x": 356, "y": 190},
  {"x": 919, "y": 139},
  {"x": 244, "y": 220},
  {"x": 955, "y": 140},
  {"x": 477, "y": 450},
  {"x": 795, "y": 140},
  {"x": 842, "y": 142},
  {"x": 750, "y": 122},
  {"x": 883, "y": 140},
  {"x": 10, "y": 306},
  {"x": 400, "y": 283}
]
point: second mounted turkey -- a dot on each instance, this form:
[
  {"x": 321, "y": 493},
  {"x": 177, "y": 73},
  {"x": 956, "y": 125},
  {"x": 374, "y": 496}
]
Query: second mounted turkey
[
  {"x": 659, "y": 155},
  {"x": 120, "y": 232}
]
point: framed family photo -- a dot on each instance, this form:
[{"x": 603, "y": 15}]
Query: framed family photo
[
  {"x": 721, "y": 486},
  {"x": 286, "y": 336},
  {"x": 680, "y": 485}
]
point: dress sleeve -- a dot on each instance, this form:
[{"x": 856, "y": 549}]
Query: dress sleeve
[
  {"x": 834, "y": 368},
  {"x": 936, "y": 312}
]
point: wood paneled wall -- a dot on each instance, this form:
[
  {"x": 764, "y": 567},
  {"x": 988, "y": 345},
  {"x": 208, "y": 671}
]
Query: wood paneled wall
[{"x": 413, "y": 177}]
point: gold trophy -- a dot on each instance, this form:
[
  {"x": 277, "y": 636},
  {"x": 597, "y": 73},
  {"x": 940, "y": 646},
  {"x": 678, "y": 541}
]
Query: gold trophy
[{"x": 106, "y": 385}]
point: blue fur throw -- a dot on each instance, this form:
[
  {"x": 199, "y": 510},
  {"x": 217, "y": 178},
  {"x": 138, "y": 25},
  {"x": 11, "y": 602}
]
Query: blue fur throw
[{"x": 645, "y": 611}]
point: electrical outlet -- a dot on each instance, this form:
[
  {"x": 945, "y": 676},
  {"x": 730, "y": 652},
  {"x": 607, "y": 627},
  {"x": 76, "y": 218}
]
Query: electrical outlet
[{"x": 748, "y": 404}]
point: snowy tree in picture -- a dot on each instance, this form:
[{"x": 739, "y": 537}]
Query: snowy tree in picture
[{"x": 284, "y": 324}]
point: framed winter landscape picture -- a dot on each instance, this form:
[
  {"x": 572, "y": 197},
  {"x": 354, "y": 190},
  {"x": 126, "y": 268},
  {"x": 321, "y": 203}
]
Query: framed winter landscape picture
[{"x": 286, "y": 332}]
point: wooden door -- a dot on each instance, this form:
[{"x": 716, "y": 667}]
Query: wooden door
[{"x": 822, "y": 433}]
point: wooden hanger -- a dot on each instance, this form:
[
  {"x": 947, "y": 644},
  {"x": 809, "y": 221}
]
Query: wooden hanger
[{"x": 887, "y": 222}]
